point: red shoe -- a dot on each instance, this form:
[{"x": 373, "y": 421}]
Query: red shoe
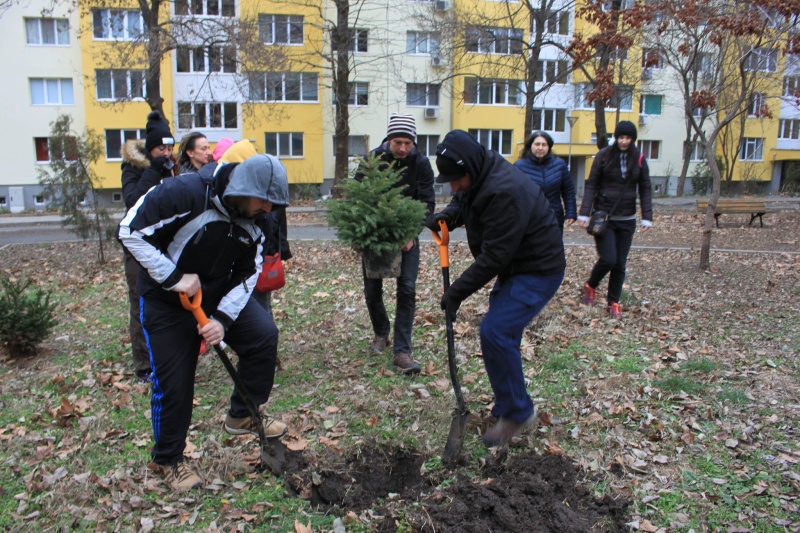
[
  {"x": 614, "y": 310},
  {"x": 588, "y": 294}
]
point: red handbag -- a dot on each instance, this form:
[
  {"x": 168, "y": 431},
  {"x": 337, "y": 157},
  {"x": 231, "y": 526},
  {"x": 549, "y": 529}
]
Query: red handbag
[{"x": 271, "y": 278}]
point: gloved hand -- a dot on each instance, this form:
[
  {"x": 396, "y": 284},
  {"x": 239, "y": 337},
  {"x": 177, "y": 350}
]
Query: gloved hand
[
  {"x": 450, "y": 305},
  {"x": 432, "y": 221},
  {"x": 160, "y": 163}
]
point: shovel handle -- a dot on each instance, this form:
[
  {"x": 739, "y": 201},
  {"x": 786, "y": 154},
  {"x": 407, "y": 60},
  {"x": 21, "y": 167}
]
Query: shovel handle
[
  {"x": 193, "y": 304},
  {"x": 442, "y": 241}
]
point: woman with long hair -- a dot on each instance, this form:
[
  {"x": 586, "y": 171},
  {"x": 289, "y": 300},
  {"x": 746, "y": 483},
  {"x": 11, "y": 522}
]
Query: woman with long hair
[{"x": 194, "y": 152}]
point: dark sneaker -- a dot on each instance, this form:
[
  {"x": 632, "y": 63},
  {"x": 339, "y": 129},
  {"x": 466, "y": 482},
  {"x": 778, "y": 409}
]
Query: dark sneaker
[
  {"x": 588, "y": 294},
  {"x": 614, "y": 310},
  {"x": 245, "y": 426},
  {"x": 405, "y": 363},
  {"x": 505, "y": 430},
  {"x": 379, "y": 343},
  {"x": 179, "y": 476}
]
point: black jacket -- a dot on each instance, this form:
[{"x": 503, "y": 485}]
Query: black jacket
[
  {"x": 137, "y": 174},
  {"x": 511, "y": 228},
  {"x": 417, "y": 177},
  {"x": 605, "y": 184}
]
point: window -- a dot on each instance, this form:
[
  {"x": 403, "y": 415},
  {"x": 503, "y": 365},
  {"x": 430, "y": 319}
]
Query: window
[
  {"x": 549, "y": 119},
  {"x": 117, "y": 24},
  {"x": 48, "y": 150},
  {"x": 615, "y": 55},
  {"x": 552, "y": 71},
  {"x": 116, "y": 197},
  {"x": 358, "y": 40},
  {"x": 752, "y": 149},
  {"x": 207, "y": 59},
  {"x": 52, "y": 91},
  {"x": 623, "y": 97},
  {"x": 116, "y": 138},
  {"x": 38, "y": 200},
  {"x": 698, "y": 152},
  {"x": 497, "y": 140},
  {"x": 761, "y": 59},
  {"x": 359, "y": 93},
  {"x": 788, "y": 129},
  {"x": 284, "y": 144},
  {"x": 3, "y": 201},
  {"x": 46, "y": 31},
  {"x": 791, "y": 86},
  {"x": 492, "y": 92},
  {"x": 113, "y": 84},
  {"x": 280, "y": 29},
  {"x": 557, "y": 23},
  {"x": 218, "y": 115},
  {"x": 284, "y": 86},
  {"x": 426, "y": 144},
  {"x": 650, "y": 149},
  {"x": 651, "y": 104},
  {"x": 422, "y": 42},
  {"x": 623, "y": 4},
  {"x": 208, "y": 8},
  {"x": 487, "y": 40},
  {"x": 356, "y": 145},
  {"x": 422, "y": 94},
  {"x": 756, "y": 105},
  {"x": 652, "y": 59}
]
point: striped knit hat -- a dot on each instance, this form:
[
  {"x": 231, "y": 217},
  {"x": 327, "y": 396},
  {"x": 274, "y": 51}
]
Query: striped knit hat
[{"x": 402, "y": 126}]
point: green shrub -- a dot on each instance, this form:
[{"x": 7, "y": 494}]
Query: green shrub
[{"x": 26, "y": 317}]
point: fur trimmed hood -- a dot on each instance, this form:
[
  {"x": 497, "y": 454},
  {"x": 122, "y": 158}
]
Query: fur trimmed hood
[{"x": 134, "y": 154}]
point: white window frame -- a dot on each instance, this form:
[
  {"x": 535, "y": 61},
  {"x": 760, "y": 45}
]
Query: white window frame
[
  {"x": 126, "y": 13},
  {"x": 268, "y": 79},
  {"x": 791, "y": 86},
  {"x": 124, "y": 136},
  {"x": 646, "y": 147},
  {"x": 274, "y": 21},
  {"x": 493, "y": 40},
  {"x": 550, "y": 119},
  {"x": 553, "y": 71},
  {"x": 431, "y": 98},
  {"x": 191, "y": 54},
  {"x": 358, "y": 89},
  {"x": 643, "y": 106},
  {"x": 646, "y": 53},
  {"x": 38, "y": 200},
  {"x": 60, "y": 82},
  {"x": 556, "y": 20},
  {"x": 60, "y": 35},
  {"x": 756, "y": 102},
  {"x": 752, "y": 149},
  {"x": 494, "y": 137},
  {"x": 208, "y": 111},
  {"x": 761, "y": 60},
  {"x": 353, "y": 142},
  {"x": 3, "y": 201},
  {"x": 220, "y": 6},
  {"x": 427, "y": 143},
  {"x": 128, "y": 84},
  {"x": 285, "y": 138},
  {"x": 415, "y": 39},
  {"x": 498, "y": 92},
  {"x": 789, "y": 128},
  {"x": 698, "y": 152},
  {"x": 582, "y": 89}
]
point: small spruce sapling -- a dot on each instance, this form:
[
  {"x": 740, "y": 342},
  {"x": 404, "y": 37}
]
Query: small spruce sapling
[{"x": 26, "y": 317}]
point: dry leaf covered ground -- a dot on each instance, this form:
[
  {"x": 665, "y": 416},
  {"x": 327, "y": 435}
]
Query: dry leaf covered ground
[{"x": 683, "y": 416}]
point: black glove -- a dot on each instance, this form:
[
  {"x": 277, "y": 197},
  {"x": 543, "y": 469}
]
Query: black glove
[
  {"x": 432, "y": 221},
  {"x": 160, "y": 163},
  {"x": 450, "y": 305}
]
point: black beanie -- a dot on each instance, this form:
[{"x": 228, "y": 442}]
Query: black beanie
[
  {"x": 626, "y": 127},
  {"x": 157, "y": 131}
]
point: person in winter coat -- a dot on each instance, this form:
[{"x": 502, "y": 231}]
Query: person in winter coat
[
  {"x": 551, "y": 174},
  {"x": 145, "y": 162},
  {"x": 199, "y": 230},
  {"x": 194, "y": 152},
  {"x": 515, "y": 240},
  {"x": 400, "y": 147},
  {"x": 617, "y": 171}
]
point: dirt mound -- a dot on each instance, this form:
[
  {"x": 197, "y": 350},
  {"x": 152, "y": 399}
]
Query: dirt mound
[{"x": 523, "y": 492}]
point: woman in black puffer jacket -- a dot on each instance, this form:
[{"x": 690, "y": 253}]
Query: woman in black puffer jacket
[{"x": 617, "y": 170}]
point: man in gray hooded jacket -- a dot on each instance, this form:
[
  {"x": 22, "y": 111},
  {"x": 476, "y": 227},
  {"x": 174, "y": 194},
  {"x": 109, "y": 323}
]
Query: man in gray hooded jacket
[{"x": 198, "y": 231}]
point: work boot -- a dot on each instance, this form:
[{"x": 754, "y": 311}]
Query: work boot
[
  {"x": 379, "y": 343},
  {"x": 588, "y": 294},
  {"x": 405, "y": 363},
  {"x": 505, "y": 430},
  {"x": 245, "y": 426},
  {"x": 614, "y": 310},
  {"x": 179, "y": 476}
]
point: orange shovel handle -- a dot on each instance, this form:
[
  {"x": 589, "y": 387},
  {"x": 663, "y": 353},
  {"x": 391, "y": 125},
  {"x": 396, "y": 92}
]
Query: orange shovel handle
[
  {"x": 193, "y": 305},
  {"x": 443, "y": 241}
]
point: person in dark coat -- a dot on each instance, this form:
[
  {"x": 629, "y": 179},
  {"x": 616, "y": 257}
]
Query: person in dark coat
[
  {"x": 617, "y": 170},
  {"x": 515, "y": 240},
  {"x": 145, "y": 162},
  {"x": 400, "y": 147},
  {"x": 551, "y": 174},
  {"x": 194, "y": 152}
]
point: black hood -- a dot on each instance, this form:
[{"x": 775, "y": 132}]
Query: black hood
[{"x": 465, "y": 150}]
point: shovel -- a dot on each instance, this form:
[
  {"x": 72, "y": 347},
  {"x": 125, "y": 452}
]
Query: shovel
[
  {"x": 273, "y": 452},
  {"x": 458, "y": 426}
]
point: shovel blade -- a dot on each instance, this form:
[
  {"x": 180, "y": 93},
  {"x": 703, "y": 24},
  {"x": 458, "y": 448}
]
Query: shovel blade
[
  {"x": 273, "y": 456},
  {"x": 455, "y": 438}
]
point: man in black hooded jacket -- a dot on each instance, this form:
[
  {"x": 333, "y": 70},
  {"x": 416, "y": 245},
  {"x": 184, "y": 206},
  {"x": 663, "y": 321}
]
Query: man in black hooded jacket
[{"x": 514, "y": 237}]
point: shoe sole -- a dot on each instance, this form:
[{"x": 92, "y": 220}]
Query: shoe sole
[
  {"x": 412, "y": 370},
  {"x": 237, "y": 432}
]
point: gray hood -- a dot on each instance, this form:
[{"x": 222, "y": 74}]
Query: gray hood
[{"x": 260, "y": 176}]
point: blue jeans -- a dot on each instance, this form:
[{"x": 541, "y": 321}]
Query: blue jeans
[
  {"x": 513, "y": 303},
  {"x": 406, "y": 301}
]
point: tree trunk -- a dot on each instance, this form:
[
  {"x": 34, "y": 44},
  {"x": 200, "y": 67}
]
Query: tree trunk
[
  {"x": 154, "y": 55},
  {"x": 688, "y": 145},
  {"x": 600, "y": 124},
  {"x": 341, "y": 75},
  {"x": 708, "y": 222}
]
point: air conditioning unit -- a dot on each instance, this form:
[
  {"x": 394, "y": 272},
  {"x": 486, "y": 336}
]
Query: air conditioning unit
[
  {"x": 437, "y": 61},
  {"x": 431, "y": 112},
  {"x": 441, "y": 5},
  {"x": 643, "y": 119},
  {"x": 647, "y": 74}
]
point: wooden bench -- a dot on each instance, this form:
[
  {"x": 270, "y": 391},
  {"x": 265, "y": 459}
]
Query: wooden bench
[{"x": 732, "y": 206}]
